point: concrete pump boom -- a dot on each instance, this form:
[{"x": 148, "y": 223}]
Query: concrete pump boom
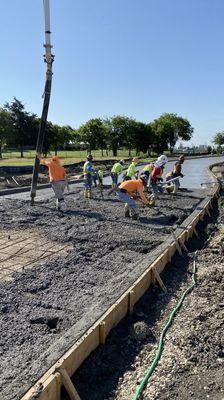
[{"x": 48, "y": 58}]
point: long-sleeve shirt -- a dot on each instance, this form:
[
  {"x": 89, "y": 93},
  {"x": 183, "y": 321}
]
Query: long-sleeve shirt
[
  {"x": 131, "y": 172},
  {"x": 117, "y": 168},
  {"x": 132, "y": 186},
  {"x": 156, "y": 173},
  {"x": 177, "y": 169},
  {"x": 56, "y": 171}
]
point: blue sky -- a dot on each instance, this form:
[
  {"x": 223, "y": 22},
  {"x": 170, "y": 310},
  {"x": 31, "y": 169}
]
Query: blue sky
[{"x": 138, "y": 58}]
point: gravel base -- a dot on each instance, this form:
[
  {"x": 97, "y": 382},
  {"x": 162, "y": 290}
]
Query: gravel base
[
  {"x": 44, "y": 309},
  {"x": 191, "y": 365}
]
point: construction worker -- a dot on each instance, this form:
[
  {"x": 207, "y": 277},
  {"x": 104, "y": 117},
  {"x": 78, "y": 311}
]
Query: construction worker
[
  {"x": 148, "y": 168},
  {"x": 157, "y": 172},
  {"x": 132, "y": 172},
  {"x": 58, "y": 180},
  {"x": 116, "y": 171},
  {"x": 127, "y": 193},
  {"x": 177, "y": 173},
  {"x": 100, "y": 176},
  {"x": 89, "y": 173},
  {"x": 100, "y": 181}
]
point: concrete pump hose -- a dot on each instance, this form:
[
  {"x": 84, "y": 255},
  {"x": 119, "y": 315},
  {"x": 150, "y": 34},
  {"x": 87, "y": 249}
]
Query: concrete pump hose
[{"x": 150, "y": 370}]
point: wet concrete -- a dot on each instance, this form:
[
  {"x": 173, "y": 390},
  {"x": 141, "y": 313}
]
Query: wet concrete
[{"x": 44, "y": 309}]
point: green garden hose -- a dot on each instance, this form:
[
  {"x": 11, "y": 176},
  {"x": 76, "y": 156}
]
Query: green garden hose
[{"x": 150, "y": 370}]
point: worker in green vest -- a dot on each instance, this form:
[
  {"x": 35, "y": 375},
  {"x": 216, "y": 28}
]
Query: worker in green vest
[
  {"x": 116, "y": 171},
  {"x": 132, "y": 172}
]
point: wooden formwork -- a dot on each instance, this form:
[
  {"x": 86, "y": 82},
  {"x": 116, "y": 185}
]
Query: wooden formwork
[{"x": 49, "y": 385}]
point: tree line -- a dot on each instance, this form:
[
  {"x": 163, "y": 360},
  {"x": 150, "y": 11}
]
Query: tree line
[{"x": 19, "y": 129}]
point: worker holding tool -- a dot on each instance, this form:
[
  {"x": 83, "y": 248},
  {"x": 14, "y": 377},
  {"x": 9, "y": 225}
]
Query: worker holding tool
[
  {"x": 100, "y": 181},
  {"x": 116, "y": 171},
  {"x": 175, "y": 174},
  {"x": 89, "y": 174},
  {"x": 127, "y": 193},
  {"x": 132, "y": 172},
  {"x": 58, "y": 180},
  {"x": 156, "y": 175}
]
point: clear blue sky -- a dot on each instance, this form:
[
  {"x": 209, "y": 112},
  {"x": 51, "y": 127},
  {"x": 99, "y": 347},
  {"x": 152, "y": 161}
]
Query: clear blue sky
[{"x": 138, "y": 58}]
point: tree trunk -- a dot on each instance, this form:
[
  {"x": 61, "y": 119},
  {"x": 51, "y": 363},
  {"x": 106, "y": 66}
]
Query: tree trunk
[
  {"x": 21, "y": 150},
  {"x": 102, "y": 152},
  {"x": 107, "y": 152},
  {"x": 0, "y": 151},
  {"x": 129, "y": 152},
  {"x": 114, "y": 149},
  {"x": 56, "y": 150}
]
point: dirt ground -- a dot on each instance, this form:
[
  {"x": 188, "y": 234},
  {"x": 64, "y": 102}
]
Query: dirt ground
[
  {"x": 192, "y": 361},
  {"x": 44, "y": 309}
]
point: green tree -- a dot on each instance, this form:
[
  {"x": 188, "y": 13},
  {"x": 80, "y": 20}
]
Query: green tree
[
  {"x": 56, "y": 137},
  {"x": 118, "y": 130},
  {"x": 6, "y": 128},
  {"x": 139, "y": 136},
  {"x": 168, "y": 129},
  {"x": 24, "y": 124},
  {"x": 219, "y": 139},
  {"x": 93, "y": 133}
]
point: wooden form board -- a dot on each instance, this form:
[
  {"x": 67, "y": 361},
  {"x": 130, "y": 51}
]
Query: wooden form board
[{"x": 48, "y": 387}]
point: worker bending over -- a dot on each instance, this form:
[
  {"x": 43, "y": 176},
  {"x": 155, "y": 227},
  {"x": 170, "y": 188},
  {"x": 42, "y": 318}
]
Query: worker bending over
[
  {"x": 132, "y": 172},
  {"x": 177, "y": 172},
  {"x": 156, "y": 175},
  {"x": 148, "y": 168},
  {"x": 127, "y": 193},
  {"x": 58, "y": 180},
  {"x": 116, "y": 170},
  {"x": 89, "y": 174}
]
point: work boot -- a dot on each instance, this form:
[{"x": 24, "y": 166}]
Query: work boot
[
  {"x": 134, "y": 213},
  {"x": 63, "y": 206},
  {"x": 126, "y": 211},
  {"x": 89, "y": 194}
]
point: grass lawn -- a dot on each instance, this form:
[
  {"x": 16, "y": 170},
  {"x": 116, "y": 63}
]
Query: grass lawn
[{"x": 12, "y": 158}]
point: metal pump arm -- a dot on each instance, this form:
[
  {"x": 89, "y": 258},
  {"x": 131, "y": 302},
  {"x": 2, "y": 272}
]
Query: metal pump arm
[{"x": 48, "y": 58}]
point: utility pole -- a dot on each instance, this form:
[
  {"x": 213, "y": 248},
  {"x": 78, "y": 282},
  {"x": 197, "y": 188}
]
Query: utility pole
[{"x": 48, "y": 59}]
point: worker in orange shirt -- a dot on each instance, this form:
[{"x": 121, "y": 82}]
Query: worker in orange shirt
[
  {"x": 127, "y": 193},
  {"x": 58, "y": 180}
]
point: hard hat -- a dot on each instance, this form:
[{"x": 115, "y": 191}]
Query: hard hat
[
  {"x": 144, "y": 179},
  {"x": 162, "y": 159},
  {"x": 135, "y": 159},
  {"x": 89, "y": 157}
]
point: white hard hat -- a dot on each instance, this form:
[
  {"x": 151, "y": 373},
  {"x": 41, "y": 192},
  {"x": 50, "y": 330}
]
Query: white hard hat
[{"x": 162, "y": 159}]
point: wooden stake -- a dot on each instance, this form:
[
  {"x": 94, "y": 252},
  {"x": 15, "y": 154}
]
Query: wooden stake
[
  {"x": 102, "y": 332},
  {"x": 159, "y": 280},
  {"x": 184, "y": 247},
  {"x": 208, "y": 212},
  {"x": 70, "y": 388},
  {"x": 177, "y": 244},
  {"x": 196, "y": 233},
  {"x": 131, "y": 302}
]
